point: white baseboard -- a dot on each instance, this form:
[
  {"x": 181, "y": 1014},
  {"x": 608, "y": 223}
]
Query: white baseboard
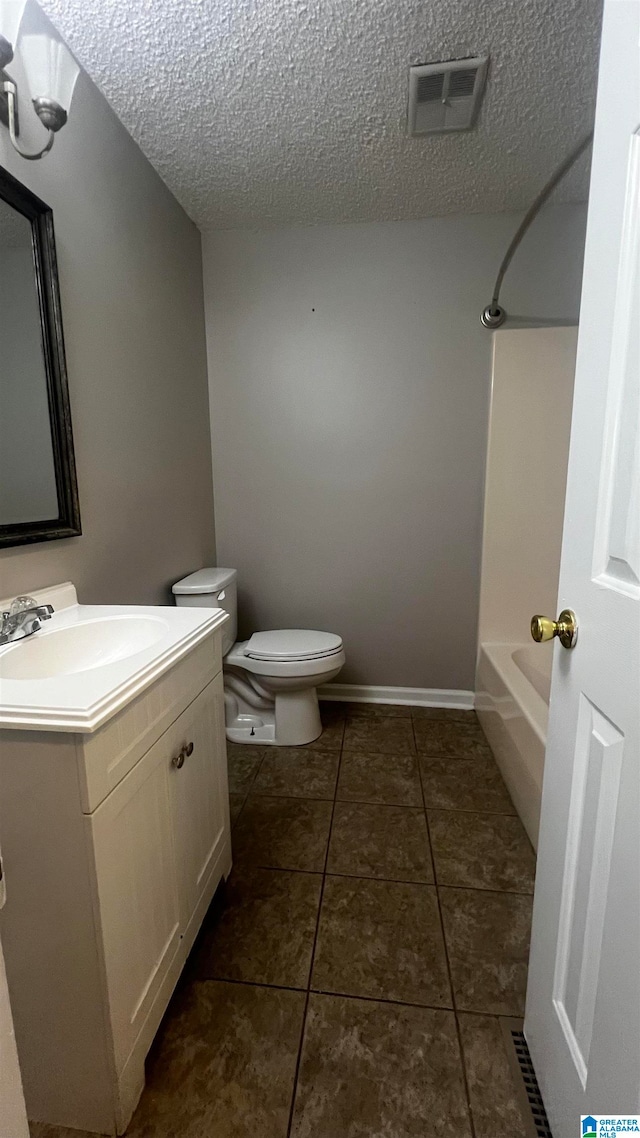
[{"x": 416, "y": 697}]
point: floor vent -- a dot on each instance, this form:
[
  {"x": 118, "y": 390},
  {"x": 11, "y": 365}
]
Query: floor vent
[{"x": 524, "y": 1077}]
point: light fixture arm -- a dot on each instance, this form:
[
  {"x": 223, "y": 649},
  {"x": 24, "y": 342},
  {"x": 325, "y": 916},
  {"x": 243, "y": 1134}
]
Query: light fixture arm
[{"x": 11, "y": 91}]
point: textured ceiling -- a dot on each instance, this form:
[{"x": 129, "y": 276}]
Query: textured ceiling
[{"x": 274, "y": 112}]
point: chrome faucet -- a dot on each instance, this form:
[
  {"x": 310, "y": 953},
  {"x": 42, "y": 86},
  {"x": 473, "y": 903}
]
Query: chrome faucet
[{"x": 23, "y": 617}]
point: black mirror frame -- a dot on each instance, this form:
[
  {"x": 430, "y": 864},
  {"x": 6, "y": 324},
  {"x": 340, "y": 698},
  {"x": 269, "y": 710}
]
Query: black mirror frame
[{"x": 67, "y": 523}]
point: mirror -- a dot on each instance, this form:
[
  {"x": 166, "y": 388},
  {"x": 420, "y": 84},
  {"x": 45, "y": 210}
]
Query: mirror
[{"x": 38, "y": 488}]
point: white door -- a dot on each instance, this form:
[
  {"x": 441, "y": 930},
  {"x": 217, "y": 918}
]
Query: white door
[{"x": 583, "y": 1002}]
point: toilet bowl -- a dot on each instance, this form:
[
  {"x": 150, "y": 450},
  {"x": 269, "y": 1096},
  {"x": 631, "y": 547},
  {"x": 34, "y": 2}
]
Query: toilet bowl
[
  {"x": 270, "y": 685},
  {"x": 271, "y": 679}
]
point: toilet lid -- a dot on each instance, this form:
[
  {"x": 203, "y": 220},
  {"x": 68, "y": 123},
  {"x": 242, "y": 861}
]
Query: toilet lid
[{"x": 292, "y": 644}]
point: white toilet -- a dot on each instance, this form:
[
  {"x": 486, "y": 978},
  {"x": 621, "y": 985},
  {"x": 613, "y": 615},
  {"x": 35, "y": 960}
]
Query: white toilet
[{"x": 270, "y": 680}]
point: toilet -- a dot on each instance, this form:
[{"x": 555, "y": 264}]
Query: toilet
[{"x": 270, "y": 680}]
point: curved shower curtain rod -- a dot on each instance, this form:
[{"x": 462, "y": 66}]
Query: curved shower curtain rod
[{"x": 494, "y": 315}]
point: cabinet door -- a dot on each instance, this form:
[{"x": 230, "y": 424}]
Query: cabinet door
[
  {"x": 138, "y": 901},
  {"x": 199, "y": 794}
]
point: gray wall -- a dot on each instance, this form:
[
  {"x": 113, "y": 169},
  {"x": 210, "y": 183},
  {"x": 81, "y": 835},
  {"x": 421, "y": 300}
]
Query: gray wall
[
  {"x": 349, "y": 380},
  {"x": 131, "y": 285}
]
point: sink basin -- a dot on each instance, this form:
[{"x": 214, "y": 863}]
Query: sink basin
[
  {"x": 80, "y": 647},
  {"x": 89, "y": 661}
]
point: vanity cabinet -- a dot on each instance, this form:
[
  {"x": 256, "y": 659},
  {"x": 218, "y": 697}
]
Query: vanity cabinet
[{"x": 113, "y": 846}]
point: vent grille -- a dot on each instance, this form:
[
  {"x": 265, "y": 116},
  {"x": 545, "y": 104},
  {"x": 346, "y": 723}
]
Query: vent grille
[
  {"x": 532, "y": 1108},
  {"x": 430, "y": 87},
  {"x": 445, "y": 96},
  {"x": 461, "y": 83}
]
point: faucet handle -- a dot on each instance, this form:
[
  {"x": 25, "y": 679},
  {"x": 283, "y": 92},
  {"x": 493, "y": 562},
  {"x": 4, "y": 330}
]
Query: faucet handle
[
  {"x": 29, "y": 604},
  {"x": 24, "y": 617},
  {"x": 22, "y": 604}
]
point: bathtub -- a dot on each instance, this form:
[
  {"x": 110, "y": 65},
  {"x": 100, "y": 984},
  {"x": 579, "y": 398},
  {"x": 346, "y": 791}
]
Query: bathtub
[{"x": 512, "y": 701}]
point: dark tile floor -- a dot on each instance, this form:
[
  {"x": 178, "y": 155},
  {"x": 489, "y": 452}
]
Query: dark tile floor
[{"x": 349, "y": 978}]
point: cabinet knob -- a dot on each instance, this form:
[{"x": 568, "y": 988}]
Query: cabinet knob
[{"x": 178, "y": 760}]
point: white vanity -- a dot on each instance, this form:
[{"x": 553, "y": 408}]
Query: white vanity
[{"x": 114, "y": 828}]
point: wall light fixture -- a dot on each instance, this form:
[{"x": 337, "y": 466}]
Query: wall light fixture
[{"x": 50, "y": 71}]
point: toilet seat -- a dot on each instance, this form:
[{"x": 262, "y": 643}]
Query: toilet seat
[
  {"x": 290, "y": 644},
  {"x": 291, "y": 666}
]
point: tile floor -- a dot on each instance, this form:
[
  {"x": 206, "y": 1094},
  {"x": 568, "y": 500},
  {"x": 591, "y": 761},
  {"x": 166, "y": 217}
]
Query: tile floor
[{"x": 349, "y": 978}]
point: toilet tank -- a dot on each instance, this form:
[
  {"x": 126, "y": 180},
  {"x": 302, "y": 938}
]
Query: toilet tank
[{"x": 212, "y": 588}]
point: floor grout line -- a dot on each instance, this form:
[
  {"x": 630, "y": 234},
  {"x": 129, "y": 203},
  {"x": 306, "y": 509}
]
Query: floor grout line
[
  {"x": 373, "y": 802},
  {"x": 247, "y": 983},
  {"x": 384, "y": 1000},
  {"x": 388, "y": 880},
  {"x": 299, "y": 797},
  {"x": 385, "y": 880},
  {"x": 339, "y": 995},
  {"x": 303, "y": 1027},
  {"x": 405, "y": 806},
  {"x": 487, "y": 889},
  {"x": 377, "y": 802},
  {"x": 247, "y": 792},
  {"x": 463, "y": 1067},
  {"x": 247, "y": 865}
]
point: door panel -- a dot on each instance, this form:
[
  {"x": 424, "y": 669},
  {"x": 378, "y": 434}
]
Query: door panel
[
  {"x": 199, "y": 793},
  {"x": 137, "y": 892},
  {"x": 592, "y": 811},
  {"x": 617, "y": 545}
]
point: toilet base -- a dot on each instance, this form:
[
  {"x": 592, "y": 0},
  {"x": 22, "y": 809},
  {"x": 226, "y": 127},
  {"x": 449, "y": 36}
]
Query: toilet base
[
  {"x": 260, "y": 733},
  {"x": 259, "y": 729},
  {"x": 292, "y": 721}
]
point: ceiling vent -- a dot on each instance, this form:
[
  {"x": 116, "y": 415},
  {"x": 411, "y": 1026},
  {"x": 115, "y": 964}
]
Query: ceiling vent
[{"x": 445, "y": 96}]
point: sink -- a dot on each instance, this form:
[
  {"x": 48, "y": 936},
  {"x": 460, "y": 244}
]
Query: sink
[
  {"x": 89, "y": 661},
  {"x": 80, "y": 647}
]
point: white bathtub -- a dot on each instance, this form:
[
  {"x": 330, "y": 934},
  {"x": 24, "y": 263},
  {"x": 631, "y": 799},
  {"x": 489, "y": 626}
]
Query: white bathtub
[{"x": 512, "y": 702}]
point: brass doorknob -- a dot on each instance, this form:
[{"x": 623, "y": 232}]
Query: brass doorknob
[{"x": 565, "y": 628}]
